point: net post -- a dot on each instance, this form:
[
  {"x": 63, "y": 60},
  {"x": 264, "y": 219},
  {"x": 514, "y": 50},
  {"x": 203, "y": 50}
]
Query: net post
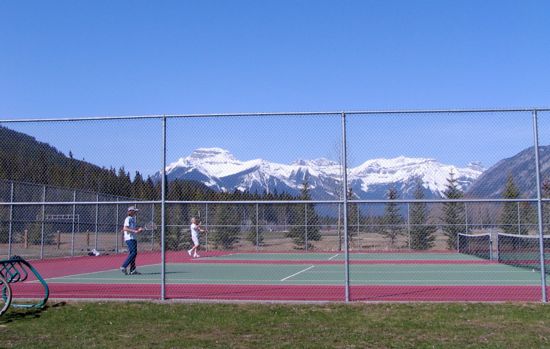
[{"x": 539, "y": 207}]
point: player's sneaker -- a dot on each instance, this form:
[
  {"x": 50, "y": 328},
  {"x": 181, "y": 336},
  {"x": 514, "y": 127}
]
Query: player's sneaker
[
  {"x": 196, "y": 256},
  {"x": 135, "y": 272},
  {"x": 123, "y": 270},
  {"x": 189, "y": 252}
]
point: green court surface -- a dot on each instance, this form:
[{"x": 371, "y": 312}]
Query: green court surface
[
  {"x": 388, "y": 256},
  {"x": 282, "y": 269}
]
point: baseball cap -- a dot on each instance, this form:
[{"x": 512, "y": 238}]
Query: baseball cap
[{"x": 132, "y": 208}]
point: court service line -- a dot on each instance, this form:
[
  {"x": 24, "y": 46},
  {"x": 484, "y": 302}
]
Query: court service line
[
  {"x": 301, "y": 271},
  {"x": 336, "y": 255}
]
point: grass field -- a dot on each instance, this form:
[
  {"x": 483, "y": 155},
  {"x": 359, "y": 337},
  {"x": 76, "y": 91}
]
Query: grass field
[{"x": 248, "y": 325}]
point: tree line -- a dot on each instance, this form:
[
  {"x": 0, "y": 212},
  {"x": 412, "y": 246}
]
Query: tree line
[
  {"x": 22, "y": 158},
  {"x": 513, "y": 218}
]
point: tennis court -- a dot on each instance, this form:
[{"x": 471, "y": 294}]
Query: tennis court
[{"x": 377, "y": 276}]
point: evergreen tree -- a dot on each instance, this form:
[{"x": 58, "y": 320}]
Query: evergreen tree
[
  {"x": 138, "y": 186},
  {"x": 124, "y": 183},
  {"x": 304, "y": 221},
  {"x": 4, "y": 229},
  {"x": 454, "y": 215},
  {"x": 227, "y": 225},
  {"x": 511, "y": 212},
  {"x": 422, "y": 233},
  {"x": 392, "y": 218},
  {"x": 354, "y": 216},
  {"x": 150, "y": 193},
  {"x": 256, "y": 236},
  {"x": 177, "y": 232},
  {"x": 258, "y": 221}
]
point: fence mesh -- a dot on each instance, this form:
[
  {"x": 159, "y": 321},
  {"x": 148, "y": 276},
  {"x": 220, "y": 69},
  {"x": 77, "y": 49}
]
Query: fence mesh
[{"x": 426, "y": 193}]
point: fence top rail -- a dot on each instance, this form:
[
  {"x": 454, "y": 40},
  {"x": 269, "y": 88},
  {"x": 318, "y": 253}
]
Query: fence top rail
[
  {"x": 252, "y": 202},
  {"x": 260, "y": 114}
]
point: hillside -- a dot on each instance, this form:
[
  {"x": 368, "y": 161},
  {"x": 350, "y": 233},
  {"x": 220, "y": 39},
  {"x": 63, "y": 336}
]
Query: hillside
[
  {"x": 522, "y": 168},
  {"x": 23, "y": 158}
]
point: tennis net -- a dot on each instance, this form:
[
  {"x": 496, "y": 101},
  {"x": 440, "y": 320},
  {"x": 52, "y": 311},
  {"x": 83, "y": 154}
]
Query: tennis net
[
  {"x": 476, "y": 245},
  {"x": 522, "y": 250}
]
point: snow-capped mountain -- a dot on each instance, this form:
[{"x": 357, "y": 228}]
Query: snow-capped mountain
[{"x": 220, "y": 170}]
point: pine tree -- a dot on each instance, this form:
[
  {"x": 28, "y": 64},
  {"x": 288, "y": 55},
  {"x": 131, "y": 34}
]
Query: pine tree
[
  {"x": 453, "y": 212},
  {"x": 138, "y": 186},
  {"x": 392, "y": 218},
  {"x": 227, "y": 224},
  {"x": 175, "y": 235},
  {"x": 124, "y": 185},
  {"x": 256, "y": 236},
  {"x": 354, "y": 216},
  {"x": 510, "y": 217},
  {"x": 304, "y": 221},
  {"x": 422, "y": 233}
]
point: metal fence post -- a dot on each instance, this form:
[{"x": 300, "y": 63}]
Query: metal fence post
[
  {"x": 116, "y": 228},
  {"x": 42, "y": 222},
  {"x": 257, "y": 229},
  {"x": 519, "y": 218},
  {"x": 206, "y": 224},
  {"x": 466, "y": 217},
  {"x": 10, "y": 229},
  {"x": 345, "y": 206},
  {"x": 409, "y": 223},
  {"x": 96, "y": 219},
  {"x": 163, "y": 214},
  {"x": 72, "y": 227},
  {"x": 539, "y": 207},
  {"x": 153, "y": 231},
  {"x": 305, "y": 225}
]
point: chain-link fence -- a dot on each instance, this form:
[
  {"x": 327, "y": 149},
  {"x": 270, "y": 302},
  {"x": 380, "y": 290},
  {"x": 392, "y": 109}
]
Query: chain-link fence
[{"x": 418, "y": 205}]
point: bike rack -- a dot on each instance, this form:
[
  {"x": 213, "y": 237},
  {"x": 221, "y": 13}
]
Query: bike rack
[{"x": 15, "y": 270}]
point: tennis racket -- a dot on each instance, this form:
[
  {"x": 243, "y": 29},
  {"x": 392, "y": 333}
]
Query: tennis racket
[{"x": 150, "y": 226}]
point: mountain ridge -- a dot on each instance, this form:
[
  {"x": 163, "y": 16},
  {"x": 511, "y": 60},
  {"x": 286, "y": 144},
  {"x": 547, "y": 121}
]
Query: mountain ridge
[{"x": 220, "y": 170}]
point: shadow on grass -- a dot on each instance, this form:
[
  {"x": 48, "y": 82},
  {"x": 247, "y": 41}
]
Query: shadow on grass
[{"x": 17, "y": 314}]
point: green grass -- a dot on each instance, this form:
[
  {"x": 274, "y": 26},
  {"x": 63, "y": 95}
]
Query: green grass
[{"x": 206, "y": 325}]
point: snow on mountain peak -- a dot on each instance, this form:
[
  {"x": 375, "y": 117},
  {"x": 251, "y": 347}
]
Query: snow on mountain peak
[
  {"x": 390, "y": 165},
  {"x": 321, "y": 162},
  {"x": 224, "y": 169},
  {"x": 209, "y": 153},
  {"x": 476, "y": 166}
]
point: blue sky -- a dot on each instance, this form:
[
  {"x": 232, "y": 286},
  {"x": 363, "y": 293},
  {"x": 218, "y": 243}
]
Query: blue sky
[{"x": 96, "y": 58}]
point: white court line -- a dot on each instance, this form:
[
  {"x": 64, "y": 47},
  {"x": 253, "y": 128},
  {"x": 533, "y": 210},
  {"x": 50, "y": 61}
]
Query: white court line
[
  {"x": 336, "y": 255},
  {"x": 76, "y": 276},
  {"x": 301, "y": 271}
]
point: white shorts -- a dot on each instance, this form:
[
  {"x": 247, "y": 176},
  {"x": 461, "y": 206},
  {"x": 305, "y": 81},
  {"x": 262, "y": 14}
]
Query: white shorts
[{"x": 195, "y": 240}]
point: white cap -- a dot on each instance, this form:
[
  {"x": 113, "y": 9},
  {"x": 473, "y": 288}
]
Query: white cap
[{"x": 132, "y": 208}]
